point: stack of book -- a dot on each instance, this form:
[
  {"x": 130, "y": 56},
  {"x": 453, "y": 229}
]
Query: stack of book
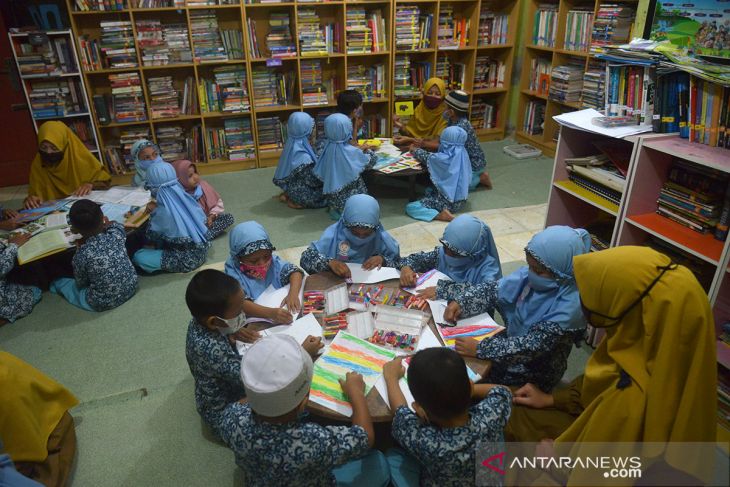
[
  {"x": 412, "y": 30},
  {"x": 488, "y": 73},
  {"x": 312, "y": 38},
  {"x": 612, "y": 26},
  {"x": 594, "y": 86},
  {"x": 89, "y": 54},
  {"x": 453, "y": 73},
  {"x": 172, "y": 143},
  {"x": 206, "y": 36},
  {"x": 127, "y": 99},
  {"x": 534, "y": 117},
  {"x": 693, "y": 196},
  {"x": 319, "y": 122},
  {"x": 453, "y": 32},
  {"x": 566, "y": 83},
  {"x": 113, "y": 160},
  {"x": 492, "y": 27},
  {"x": 178, "y": 43},
  {"x": 272, "y": 87},
  {"x": 230, "y": 83},
  {"x": 36, "y": 61},
  {"x": 578, "y": 29},
  {"x": 368, "y": 80},
  {"x": 376, "y": 21},
  {"x": 545, "y": 25},
  {"x": 709, "y": 113},
  {"x": 314, "y": 91},
  {"x": 272, "y": 133},
  {"x": 52, "y": 99},
  {"x": 359, "y": 33},
  {"x": 117, "y": 44},
  {"x": 151, "y": 39},
  {"x": 279, "y": 41},
  {"x": 164, "y": 98},
  {"x": 374, "y": 125},
  {"x": 82, "y": 128},
  {"x": 117, "y": 157},
  {"x": 239, "y": 139},
  {"x": 599, "y": 175},
  {"x": 540, "y": 75},
  {"x": 409, "y": 77},
  {"x": 483, "y": 115}
]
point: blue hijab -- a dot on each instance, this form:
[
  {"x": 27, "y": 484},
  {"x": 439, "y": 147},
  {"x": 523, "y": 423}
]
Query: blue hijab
[
  {"x": 178, "y": 215},
  {"x": 297, "y": 150},
  {"x": 526, "y": 299},
  {"x": 338, "y": 242},
  {"x": 141, "y": 167},
  {"x": 472, "y": 239},
  {"x": 340, "y": 162},
  {"x": 450, "y": 168},
  {"x": 246, "y": 238}
]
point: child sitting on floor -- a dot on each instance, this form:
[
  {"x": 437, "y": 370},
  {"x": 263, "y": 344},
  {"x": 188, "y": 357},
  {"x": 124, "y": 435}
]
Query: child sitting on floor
[
  {"x": 255, "y": 267},
  {"x": 358, "y": 238},
  {"x": 441, "y": 438},
  {"x": 177, "y": 226},
  {"x": 541, "y": 309},
  {"x": 450, "y": 172},
  {"x": 16, "y": 300},
  {"x": 104, "y": 277},
  {"x": 273, "y": 442},
  {"x": 144, "y": 153},
  {"x": 208, "y": 198},
  {"x": 468, "y": 255}
]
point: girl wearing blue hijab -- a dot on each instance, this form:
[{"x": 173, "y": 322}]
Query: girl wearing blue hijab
[
  {"x": 541, "y": 309},
  {"x": 301, "y": 189},
  {"x": 358, "y": 238},
  {"x": 253, "y": 264},
  {"x": 450, "y": 172},
  {"x": 177, "y": 226},
  {"x": 468, "y": 255},
  {"x": 341, "y": 164},
  {"x": 144, "y": 153}
]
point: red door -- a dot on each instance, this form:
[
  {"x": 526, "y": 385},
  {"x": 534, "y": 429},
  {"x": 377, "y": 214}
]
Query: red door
[{"x": 17, "y": 136}]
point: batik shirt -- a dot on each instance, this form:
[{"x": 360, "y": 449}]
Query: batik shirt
[
  {"x": 299, "y": 453},
  {"x": 314, "y": 261},
  {"x": 539, "y": 357},
  {"x": 303, "y": 188},
  {"x": 101, "y": 264},
  {"x": 216, "y": 368},
  {"x": 180, "y": 255},
  {"x": 476, "y": 154},
  {"x": 447, "y": 455},
  {"x": 16, "y": 300},
  {"x": 423, "y": 262}
]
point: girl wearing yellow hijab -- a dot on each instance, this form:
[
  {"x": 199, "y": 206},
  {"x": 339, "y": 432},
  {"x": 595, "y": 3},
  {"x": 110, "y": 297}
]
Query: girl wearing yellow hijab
[
  {"x": 63, "y": 166},
  {"x": 427, "y": 121},
  {"x": 653, "y": 377}
]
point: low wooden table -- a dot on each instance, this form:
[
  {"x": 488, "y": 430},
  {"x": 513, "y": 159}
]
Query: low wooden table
[{"x": 411, "y": 174}]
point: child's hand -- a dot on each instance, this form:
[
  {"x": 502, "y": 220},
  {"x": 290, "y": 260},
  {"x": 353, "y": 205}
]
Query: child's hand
[
  {"x": 19, "y": 238},
  {"x": 453, "y": 311},
  {"x": 84, "y": 189},
  {"x": 340, "y": 269},
  {"x": 246, "y": 336},
  {"x": 280, "y": 315},
  {"x": 531, "y": 396},
  {"x": 353, "y": 385},
  {"x": 312, "y": 345},
  {"x": 397, "y": 124},
  {"x": 373, "y": 262},
  {"x": 9, "y": 225},
  {"x": 31, "y": 202},
  {"x": 291, "y": 302},
  {"x": 10, "y": 214},
  {"x": 407, "y": 277},
  {"x": 427, "y": 293},
  {"x": 394, "y": 370},
  {"x": 150, "y": 207},
  {"x": 211, "y": 219},
  {"x": 467, "y": 347},
  {"x": 412, "y": 147}
]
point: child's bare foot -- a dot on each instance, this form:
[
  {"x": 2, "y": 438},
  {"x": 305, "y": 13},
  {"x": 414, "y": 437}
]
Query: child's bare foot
[
  {"x": 3, "y": 321},
  {"x": 445, "y": 216},
  {"x": 283, "y": 198},
  {"x": 485, "y": 180},
  {"x": 293, "y": 205}
]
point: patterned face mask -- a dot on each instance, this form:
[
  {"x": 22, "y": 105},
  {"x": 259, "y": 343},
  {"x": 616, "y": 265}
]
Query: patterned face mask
[
  {"x": 256, "y": 271},
  {"x": 232, "y": 324}
]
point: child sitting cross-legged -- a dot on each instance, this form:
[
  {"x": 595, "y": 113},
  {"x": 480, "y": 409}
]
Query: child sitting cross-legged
[
  {"x": 16, "y": 300},
  {"x": 275, "y": 444},
  {"x": 440, "y": 439}
]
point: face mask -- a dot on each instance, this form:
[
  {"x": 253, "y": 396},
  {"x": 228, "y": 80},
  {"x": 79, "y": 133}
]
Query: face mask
[
  {"x": 540, "y": 283},
  {"x": 256, "y": 271},
  {"x": 146, "y": 164},
  {"x": 359, "y": 240},
  {"x": 456, "y": 262},
  {"x": 50, "y": 158},
  {"x": 431, "y": 101},
  {"x": 232, "y": 325}
]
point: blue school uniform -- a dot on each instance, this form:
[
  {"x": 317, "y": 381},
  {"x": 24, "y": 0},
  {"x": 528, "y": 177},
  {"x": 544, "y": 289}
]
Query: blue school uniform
[
  {"x": 543, "y": 316},
  {"x": 301, "y": 452},
  {"x": 16, "y": 300},
  {"x": 177, "y": 226},
  {"x": 246, "y": 238},
  {"x": 474, "y": 149},
  {"x": 338, "y": 242},
  {"x": 445, "y": 456},
  {"x": 450, "y": 172},
  {"x": 294, "y": 173},
  {"x": 104, "y": 277}
]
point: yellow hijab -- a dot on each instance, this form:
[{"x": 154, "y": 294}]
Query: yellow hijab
[
  {"x": 426, "y": 122},
  {"x": 31, "y": 405},
  {"x": 77, "y": 167},
  {"x": 665, "y": 344}
]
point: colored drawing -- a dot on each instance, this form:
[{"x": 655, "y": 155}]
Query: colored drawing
[
  {"x": 346, "y": 353},
  {"x": 478, "y": 332},
  {"x": 702, "y": 26}
]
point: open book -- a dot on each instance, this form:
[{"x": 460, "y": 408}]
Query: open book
[{"x": 43, "y": 244}]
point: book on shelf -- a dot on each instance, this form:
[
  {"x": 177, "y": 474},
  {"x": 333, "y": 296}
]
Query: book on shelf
[
  {"x": 53, "y": 57},
  {"x": 412, "y": 28},
  {"x": 672, "y": 103},
  {"x": 630, "y": 92},
  {"x": 612, "y": 26},
  {"x": 164, "y": 98},
  {"x": 493, "y": 27},
  {"x": 366, "y": 31},
  {"x": 409, "y": 76},
  {"x": 279, "y": 41},
  {"x": 488, "y": 73},
  {"x": 453, "y": 73},
  {"x": 374, "y": 125},
  {"x": 117, "y": 44},
  {"x": 271, "y": 132},
  {"x": 52, "y": 99},
  {"x": 540, "y": 75},
  {"x": 227, "y": 92},
  {"x": 127, "y": 101},
  {"x": 534, "y": 117},
  {"x": 566, "y": 83},
  {"x": 156, "y": 3},
  {"x": 708, "y": 113},
  {"x": 82, "y": 128},
  {"x": 316, "y": 39},
  {"x": 545, "y": 25},
  {"x": 453, "y": 30},
  {"x": 172, "y": 142},
  {"x": 594, "y": 187},
  {"x": 207, "y": 42},
  {"x": 594, "y": 86},
  {"x": 99, "y": 5},
  {"x": 239, "y": 139},
  {"x": 483, "y": 115},
  {"x": 315, "y": 89},
  {"x": 578, "y": 28},
  {"x": 163, "y": 44},
  {"x": 202, "y": 3},
  {"x": 89, "y": 53},
  {"x": 232, "y": 43},
  {"x": 253, "y": 42},
  {"x": 368, "y": 80},
  {"x": 273, "y": 87}
]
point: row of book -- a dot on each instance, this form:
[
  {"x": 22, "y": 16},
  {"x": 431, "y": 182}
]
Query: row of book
[
  {"x": 89, "y": 53},
  {"x": 374, "y": 125},
  {"x": 173, "y": 142},
  {"x": 534, "y": 117},
  {"x": 227, "y": 92},
  {"x": 117, "y": 44},
  {"x": 483, "y": 115},
  {"x": 453, "y": 30},
  {"x": 316, "y": 90},
  {"x": 273, "y": 87},
  {"x": 370, "y": 81},
  {"x": 599, "y": 174},
  {"x": 545, "y": 25},
  {"x": 118, "y": 157},
  {"x": 493, "y": 27},
  {"x": 156, "y": 3},
  {"x": 540, "y": 75},
  {"x": 365, "y": 31},
  {"x": 100, "y": 5},
  {"x": 594, "y": 86},
  {"x": 612, "y": 26},
  {"x": 409, "y": 76},
  {"x": 489, "y": 73},
  {"x": 630, "y": 92},
  {"x": 316, "y": 39},
  {"x": 168, "y": 102},
  {"x": 51, "y": 99},
  {"x": 82, "y": 128},
  {"x": 206, "y": 37},
  {"x": 578, "y": 29},
  {"x": 566, "y": 83},
  {"x": 163, "y": 44},
  {"x": 233, "y": 141},
  {"x": 412, "y": 28},
  {"x": 709, "y": 113},
  {"x": 51, "y": 58},
  {"x": 453, "y": 73},
  {"x": 271, "y": 133},
  {"x": 279, "y": 41}
]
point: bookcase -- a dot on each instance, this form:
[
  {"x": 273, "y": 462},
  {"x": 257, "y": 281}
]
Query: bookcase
[
  {"x": 635, "y": 220},
  {"x": 53, "y": 84},
  {"x": 547, "y": 46},
  {"x": 272, "y": 58}
]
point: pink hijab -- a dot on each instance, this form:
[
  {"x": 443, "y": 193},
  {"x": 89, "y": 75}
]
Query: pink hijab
[{"x": 204, "y": 193}]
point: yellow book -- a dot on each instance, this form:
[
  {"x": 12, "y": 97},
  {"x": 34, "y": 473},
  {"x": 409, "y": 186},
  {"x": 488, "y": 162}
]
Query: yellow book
[
  {"x": 404, "y": 108},
  {"x": 41, "y": 245},
  {"x": 203, "y": 98}
]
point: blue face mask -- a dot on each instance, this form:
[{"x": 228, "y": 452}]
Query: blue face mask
[
  {"x": 540, "y": 283},
  {"x": 359, "y": 240},
  {"x": 456, "y": 262}
]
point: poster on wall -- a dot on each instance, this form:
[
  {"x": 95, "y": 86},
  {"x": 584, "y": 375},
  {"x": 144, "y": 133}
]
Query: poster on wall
[{"x": 703, "y": 26}]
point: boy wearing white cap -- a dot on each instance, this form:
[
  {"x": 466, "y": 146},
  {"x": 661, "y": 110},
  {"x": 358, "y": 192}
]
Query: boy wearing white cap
[{"x": 273, "y": 443}]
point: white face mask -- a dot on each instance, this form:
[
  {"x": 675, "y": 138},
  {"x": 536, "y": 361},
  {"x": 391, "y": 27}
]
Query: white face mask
[{"x": 232, "y": 324}]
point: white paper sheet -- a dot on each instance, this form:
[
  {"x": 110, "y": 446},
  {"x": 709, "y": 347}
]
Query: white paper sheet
[
  {"x": 432, "y": 278},
  {"x": 300, "y": 329},
  {"x": 583, "y": 120},
  {"x": 382, "y": 389},
  {"x": 428, "y": 340},
  {"x": 272, "y": 298},
  {"x": 358, "y": 275},
  {"x": 122, "y": 195},
  {"x": 438, "y": 307}
]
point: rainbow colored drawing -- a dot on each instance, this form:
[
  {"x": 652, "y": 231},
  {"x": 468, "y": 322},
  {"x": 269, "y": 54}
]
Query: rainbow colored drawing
[
  {"x": 478, "y": 332},
  {"x": 346, "y": 353}
]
